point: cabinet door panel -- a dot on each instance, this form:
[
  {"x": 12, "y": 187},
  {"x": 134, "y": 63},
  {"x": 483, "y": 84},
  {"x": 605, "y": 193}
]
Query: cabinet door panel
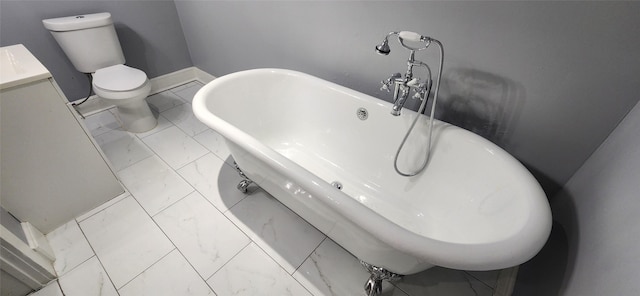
[{"x": 51, "y": 171}]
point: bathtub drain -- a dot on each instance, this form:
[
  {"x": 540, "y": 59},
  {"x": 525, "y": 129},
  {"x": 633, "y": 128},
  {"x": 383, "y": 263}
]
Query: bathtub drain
[
  {"x": 337, "y": 185},
  {"x": 362, "y": 113}
]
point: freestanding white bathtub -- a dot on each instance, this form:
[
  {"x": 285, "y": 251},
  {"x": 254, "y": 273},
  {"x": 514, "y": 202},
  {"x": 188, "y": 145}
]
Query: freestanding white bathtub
[{"x": 474, "y": 207}]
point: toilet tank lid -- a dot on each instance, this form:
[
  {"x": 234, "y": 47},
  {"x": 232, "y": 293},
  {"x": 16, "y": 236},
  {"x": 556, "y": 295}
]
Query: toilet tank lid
[{"x": 78, "y": 22}]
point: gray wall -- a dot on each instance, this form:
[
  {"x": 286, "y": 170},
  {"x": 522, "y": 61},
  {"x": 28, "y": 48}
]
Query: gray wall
[
  {"x": 598, "y": 213},
  {"x": 149, "y": 32},
  {"x": 548, "y": 81}
]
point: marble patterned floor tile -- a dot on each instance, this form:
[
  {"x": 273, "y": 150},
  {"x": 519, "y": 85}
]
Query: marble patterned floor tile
[
  {"x": 103, "y": 206},
  {"x": 175, "y": 147},
  {"x": 122, "y": 148},
  {"x": 102, "y": 122},
  {"x": 154, "y": 184},
  {"x": 87, "y": 279},
  {"x": 187, "y": 93},
  {"x": 172, "y": 275},
  {"x": 162, "y": 124},
  {"x": 286, "y": 237},
  {"x": 202, "y": 234},
  {"x": 163, "y": 101},
  {"x": 213, "y": 141},
  {"x": 125, "y": 240},
  {"x": 253, "y": 273},
  {"x": 215, "y": 180},
  {"x": 69, "y": 246},
  {"x": 52, "y": 289},
  {"x": 331, "y": 270},
  {"x": 92, "y": 106},
  {"x": 443, "y": 281},
  {"x": 490, "y": 278},
  {"x": 182, "y": 116}
]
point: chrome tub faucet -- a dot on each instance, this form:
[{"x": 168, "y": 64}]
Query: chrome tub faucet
[{"x": 404, "y": 85}]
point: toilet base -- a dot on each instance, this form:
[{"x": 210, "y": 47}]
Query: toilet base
[
  {"x": 133, "y": 110},
  {"x": 136, "y": 117}
]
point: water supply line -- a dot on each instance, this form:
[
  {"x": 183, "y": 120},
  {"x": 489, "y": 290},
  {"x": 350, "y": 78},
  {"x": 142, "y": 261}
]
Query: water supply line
[
  {"x": 90, "y": 78},
  {"x": 384, "y": 49}
]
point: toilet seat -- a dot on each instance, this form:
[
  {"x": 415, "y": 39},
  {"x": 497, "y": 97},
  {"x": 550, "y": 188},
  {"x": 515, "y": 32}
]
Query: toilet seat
[
  {"x": 120, "y": 82},
  {"x": 119, "y": 78}
]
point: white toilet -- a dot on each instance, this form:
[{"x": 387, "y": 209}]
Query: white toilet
[{"x": 91, "y": 43}]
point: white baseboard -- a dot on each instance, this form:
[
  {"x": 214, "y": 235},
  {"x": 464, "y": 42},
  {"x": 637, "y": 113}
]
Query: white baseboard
[
  {"x": 203, "y": 76},
  {"x": 180, "y": 77},
  {"x": 37, "y": 241},
  {"x": 158, "y": 84}
]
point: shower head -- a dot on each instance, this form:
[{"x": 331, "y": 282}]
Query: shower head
[{"x": 383, "y": 48}]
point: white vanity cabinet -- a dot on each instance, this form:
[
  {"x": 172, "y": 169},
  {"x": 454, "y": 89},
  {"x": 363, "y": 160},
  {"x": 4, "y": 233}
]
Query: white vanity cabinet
[{"x": 51, "y": 169}]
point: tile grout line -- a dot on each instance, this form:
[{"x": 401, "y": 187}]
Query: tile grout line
[
  {"x": 314, "y": 249},
  {"x": 479, "y": 280},
  {"x": 137, "y": 135},
  {"x": 265, "y": 253},
  {"x": 263, "y": 250},
  {"x": 195, "y": 270},
  {"x": 152, "y": 220},
  {"x": 175, "y": 124},
  {"x": 84, "y": 261},
  {"x": 184, "y": 165},
  {"x": 176, "y": 248},
  {"x": 96, "y": 254},
  {"x": 203, "y": 195},
  {"x": 225, "y": 264},
  {"x": 305, "y": 260},
  {"x": 175, "y": 171},
  {"x": 60, "y": 286},
  {"x": 102, "y": 210},
  {"x": 253, "y": 241},
  {"x": 135, "y": 139},
  {"x": 145, "y": 270},
  {"x": 246, "y": 195},
  {"x": 161, "y": 230}
]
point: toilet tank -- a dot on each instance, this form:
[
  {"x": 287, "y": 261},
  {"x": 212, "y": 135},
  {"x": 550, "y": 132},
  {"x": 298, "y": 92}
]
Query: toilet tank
[{"x": 89, "y": 40}]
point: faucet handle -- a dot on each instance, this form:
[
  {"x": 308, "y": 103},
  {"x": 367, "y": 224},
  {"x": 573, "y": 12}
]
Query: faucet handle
[
  {"x": 421, "y": 90},
  {"x": 385, "y": 85},
  {"x": 387, "y": 82}
]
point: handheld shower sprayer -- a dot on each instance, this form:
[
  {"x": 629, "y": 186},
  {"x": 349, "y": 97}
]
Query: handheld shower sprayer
[{"x": 384, "y": 49}]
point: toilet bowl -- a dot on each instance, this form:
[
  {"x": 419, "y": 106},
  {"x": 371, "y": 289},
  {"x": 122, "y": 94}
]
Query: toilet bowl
[{"x": 126, "y": 88}]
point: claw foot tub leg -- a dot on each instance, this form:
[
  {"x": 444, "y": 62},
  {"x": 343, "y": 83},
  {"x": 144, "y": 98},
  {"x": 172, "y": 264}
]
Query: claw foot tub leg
[
  {"x": 243, "y": 186},
  {"x": 373, "y": 286}
]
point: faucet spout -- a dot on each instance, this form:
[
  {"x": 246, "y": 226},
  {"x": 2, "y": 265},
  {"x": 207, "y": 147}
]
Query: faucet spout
[{"x": 400, "y": 97}]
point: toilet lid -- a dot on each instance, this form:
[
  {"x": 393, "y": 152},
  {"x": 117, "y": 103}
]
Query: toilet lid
[{"x": 119, "y": 78}]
